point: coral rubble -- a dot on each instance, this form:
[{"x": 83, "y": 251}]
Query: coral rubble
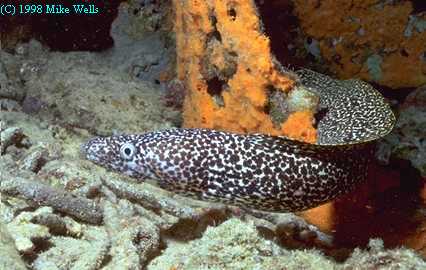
[
  {"x": 10, "y": 258},
  {"x": 238, "y": 245}
]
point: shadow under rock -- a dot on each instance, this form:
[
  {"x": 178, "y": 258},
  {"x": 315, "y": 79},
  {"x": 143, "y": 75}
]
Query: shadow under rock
[{"x": 389, "y": 206}]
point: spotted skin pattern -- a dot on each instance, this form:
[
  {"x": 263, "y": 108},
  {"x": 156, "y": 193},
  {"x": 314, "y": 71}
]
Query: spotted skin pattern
[
  {"x": 259, "y": 171},
  {"x": 356, "y": 112}
]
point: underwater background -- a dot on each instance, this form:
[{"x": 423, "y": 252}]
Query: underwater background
[{"x": 124, "y": 67}]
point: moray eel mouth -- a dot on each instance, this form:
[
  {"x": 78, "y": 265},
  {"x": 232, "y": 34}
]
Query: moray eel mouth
[{"x": 259, "y": 171}]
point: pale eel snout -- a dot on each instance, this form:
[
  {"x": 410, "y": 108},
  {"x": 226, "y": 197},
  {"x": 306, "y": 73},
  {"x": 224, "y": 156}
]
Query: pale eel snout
[{"x": 260, "y": 171}]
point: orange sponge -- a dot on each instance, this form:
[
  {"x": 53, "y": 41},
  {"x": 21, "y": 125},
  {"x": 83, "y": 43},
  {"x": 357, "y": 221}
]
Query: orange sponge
[{"x": 225, "y": 62}]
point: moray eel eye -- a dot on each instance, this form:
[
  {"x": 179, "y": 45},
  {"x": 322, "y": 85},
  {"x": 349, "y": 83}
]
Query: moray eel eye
[{"x": 127, "y": 151}]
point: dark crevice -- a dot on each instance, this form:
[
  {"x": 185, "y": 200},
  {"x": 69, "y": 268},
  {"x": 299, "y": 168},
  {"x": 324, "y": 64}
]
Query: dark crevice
[
  {"x": 319, "y": 115},
  {"x": 232, "y": 13},
  {"x": 419, "y": 6},
  {"x": 392, "y": 212},
  {"x": 215, "y": 33},
  {"x": 271, "y": 90},
  {"x": 64, "y": 31},
  {"x": 217, "y": 77},
  {"x": 190, "y": 229},
  {"x": 215, "y": 86},
  {"x": 105, "y": 261},
  {"x": 40, "y": 164},
  {"x": 276, "y": 107},
  {"x": 41, "y": 245},
  {"x": 281, "y": 26},
  {"x": 404, "y": 52},
  {"x": 233, "y": 54},
  {"x": 154, "y": 253},
  {"x": 399, "y": 94}
]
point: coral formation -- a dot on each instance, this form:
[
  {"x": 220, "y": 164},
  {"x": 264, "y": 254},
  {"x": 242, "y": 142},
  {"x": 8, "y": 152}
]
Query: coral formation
[
  {"x": 142, "y": 40},
  {"x": 85, "y": 253},
  {"x": 408, "y": 139},
  {"x": 237, "y": 245},
  {"x": 42, "y": 194},
  {"x": 376, "y": 257},
  {"x": 11, "y": 136},
  {"x": 379, "y": 41},
  {"x": 134, "y": 239},
  {"x": 10, "y": 258},
  {"x": 69, "y": 97},
  {"x": 225, "y": 62},
  {"x": 24, "y": 232}
]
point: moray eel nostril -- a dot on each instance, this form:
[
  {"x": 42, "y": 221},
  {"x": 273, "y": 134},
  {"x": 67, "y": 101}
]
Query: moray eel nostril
[{"x": 259, "y": 171}]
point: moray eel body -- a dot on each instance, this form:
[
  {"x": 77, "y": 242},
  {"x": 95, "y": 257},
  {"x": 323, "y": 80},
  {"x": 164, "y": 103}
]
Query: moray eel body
[{"x": 259, "y": 171}]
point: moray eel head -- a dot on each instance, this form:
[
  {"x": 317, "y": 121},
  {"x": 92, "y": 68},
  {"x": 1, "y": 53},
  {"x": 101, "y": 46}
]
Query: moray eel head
[{"x": 118, "y": 153}]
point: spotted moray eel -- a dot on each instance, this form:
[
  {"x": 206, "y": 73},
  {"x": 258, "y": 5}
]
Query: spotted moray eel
[{"x": 258, "y": 171}]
